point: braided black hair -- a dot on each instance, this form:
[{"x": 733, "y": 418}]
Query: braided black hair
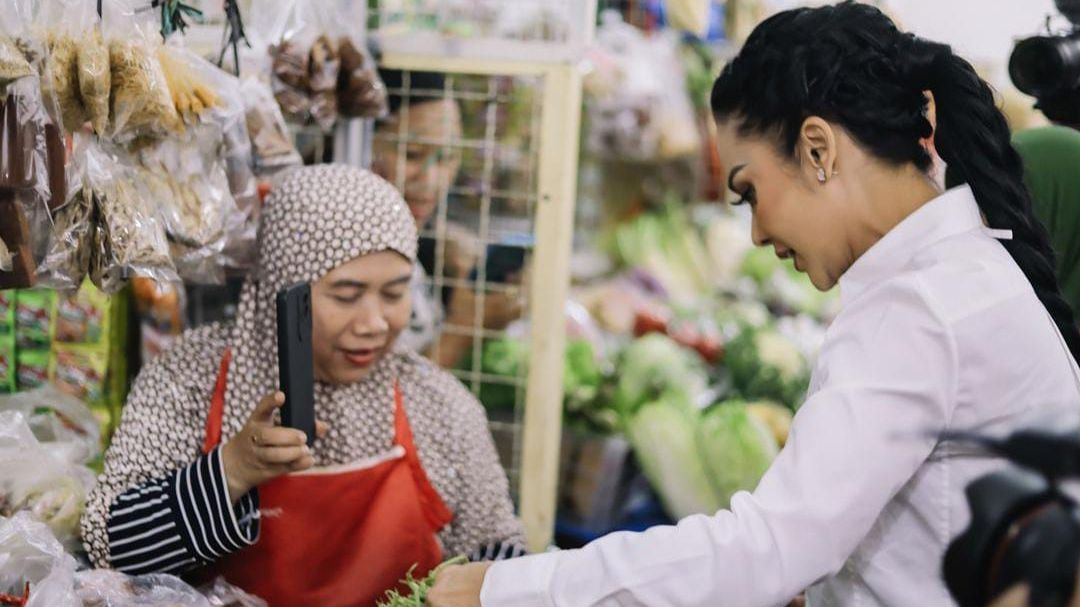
[{"x": 849, "y": 64}]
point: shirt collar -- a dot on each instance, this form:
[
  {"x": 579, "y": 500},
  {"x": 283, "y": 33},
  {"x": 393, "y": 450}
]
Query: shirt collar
[{"x": 951, "y": 213}]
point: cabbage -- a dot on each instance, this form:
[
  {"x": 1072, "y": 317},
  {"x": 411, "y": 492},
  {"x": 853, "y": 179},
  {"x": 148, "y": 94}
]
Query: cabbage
[
  {"x": 776, "y": 418},
  {"x": 656, "y": 365},
  {"x": 765, "y": 365},
  {"x": 737, "y": 449},
  {"x": 664, "y": 437}
]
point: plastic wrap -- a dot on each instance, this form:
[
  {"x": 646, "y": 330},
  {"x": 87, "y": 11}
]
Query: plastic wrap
[
  {"x": 186, "y": 74},
  {"x": 232, "y": 158},
  {"x": 361, "y": 92},
  {"x": 141, "y": 104},
  {"x": 30, "y": 554},
  {"x": 128, "y": 238},
  {"x": 35, "y": 480},
  {"x": 107, "y": 588},
  {"x": 223, "y": 594},
  {"x": 272, "y": 146},
  {"x": 67, "y": 258},
  {"x": 305, "y": 63},
  {"x": 63, "y": 424}
]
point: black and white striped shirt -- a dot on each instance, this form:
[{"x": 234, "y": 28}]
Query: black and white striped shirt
[{"x": 180, "y": 521}]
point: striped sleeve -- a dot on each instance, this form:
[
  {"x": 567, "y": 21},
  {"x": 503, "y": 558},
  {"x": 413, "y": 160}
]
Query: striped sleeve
[
  {"x": 497, "y": 551},
  {"x": 180, "y": 521}
]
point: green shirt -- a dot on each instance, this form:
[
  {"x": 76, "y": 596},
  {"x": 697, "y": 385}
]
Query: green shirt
[{"x": 1052, "y": 173}]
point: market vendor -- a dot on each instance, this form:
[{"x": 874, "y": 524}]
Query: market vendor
[
  {"x": 200, "y": 479},
  {"x": 951, "y": 320},
  {"x": 409, "y": 152}
]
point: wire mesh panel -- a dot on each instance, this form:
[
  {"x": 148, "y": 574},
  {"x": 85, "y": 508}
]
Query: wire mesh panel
[
  {"x": 486, "y": 154},
  {"x": 469, "y": 149}
]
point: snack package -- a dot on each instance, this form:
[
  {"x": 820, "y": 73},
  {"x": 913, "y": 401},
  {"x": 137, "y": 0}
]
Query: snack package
[
  {"x": 7, "y": 312},
  {"x": 31, "y": 369},
  {"x": 305, "y": 63},
  {"x": 33, "y": 317},
  {"x": 141, "y": 105},
  {"x": 7, "y": 363},
  {"x": 272, "y": 145},
  {"x": 79, "y": 371},
  {"x": 81, "y": 317},
  {"x": 128, "y": 238}
]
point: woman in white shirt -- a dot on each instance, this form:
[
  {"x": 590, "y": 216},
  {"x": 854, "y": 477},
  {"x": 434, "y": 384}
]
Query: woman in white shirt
[{"x": 946, "y": 324}]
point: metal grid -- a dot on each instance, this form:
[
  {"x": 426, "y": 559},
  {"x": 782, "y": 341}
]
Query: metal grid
[{"x": 493, "y": 197}]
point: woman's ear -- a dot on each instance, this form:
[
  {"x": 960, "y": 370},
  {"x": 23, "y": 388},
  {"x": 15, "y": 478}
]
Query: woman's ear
[{"x": 816, "y": 149}]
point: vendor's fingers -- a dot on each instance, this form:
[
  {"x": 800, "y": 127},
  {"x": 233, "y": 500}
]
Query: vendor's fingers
[
  {"x": 283, "y": 455},
  {"x": 303, "y": 463},
  {"x": 321, "y": 428},
  {"x": 278, "y": 437},
  {"x": 264, "y": 411}
]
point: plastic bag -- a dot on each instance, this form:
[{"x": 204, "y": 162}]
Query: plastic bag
[
  {"x": 62, "y": 424},
  {"x": 30, "y": 554},
  {"x": 107, "y": 588},
  {"x": 67, "y": 258},
  {"x": 79, "y": 76},
  {"x": 273, "y": 148},
  {"x": 128, "y": 238},
  {"x": 141, "y": 103},
  {"x": 233, "y": 158},
  {"x": 33, "y": 479},
  {"x": 223, "y": 594},
  {"x": 305, "y": 63}
]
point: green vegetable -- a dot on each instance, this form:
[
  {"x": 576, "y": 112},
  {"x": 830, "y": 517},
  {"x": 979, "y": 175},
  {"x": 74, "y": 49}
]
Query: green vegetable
[
  {"x": 668, "y": 246},
  {"x": 765, "y": 365},
  {"x": 654, "y": 366},
  {"x": 777, "y": 418},
  {"x": 664, "y": 437},
  {"x": 737, "y": 449},
  {"x": 581, "y": 381},
  {"x": 504, "y": 358},
  {"x": 418, "y": 589}
]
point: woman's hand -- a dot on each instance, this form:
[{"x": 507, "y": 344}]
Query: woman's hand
[
  {"x": 458, "y": 586},
  {"x": 262, "y": 451}
]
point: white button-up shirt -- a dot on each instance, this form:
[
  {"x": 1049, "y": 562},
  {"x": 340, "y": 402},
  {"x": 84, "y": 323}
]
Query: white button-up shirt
[{"x": 939, "y": 330}]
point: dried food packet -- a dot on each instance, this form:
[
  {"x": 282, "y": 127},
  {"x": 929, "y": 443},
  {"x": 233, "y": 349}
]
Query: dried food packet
[
  {"x": 361, "y": 92},
  {"x": 140, "y": 100},
  {"x": 95, "y": 79},
  {"x": 128, "y": 238}
]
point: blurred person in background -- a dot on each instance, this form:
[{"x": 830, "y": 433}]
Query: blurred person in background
[{"x": 417, "y": 149}]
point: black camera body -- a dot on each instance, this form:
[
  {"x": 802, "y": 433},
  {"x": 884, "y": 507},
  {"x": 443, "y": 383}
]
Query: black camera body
[
  {"x": 1024, "y": 529},
  {"x": 1048, "y": 68}
]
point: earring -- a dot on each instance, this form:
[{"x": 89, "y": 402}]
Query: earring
[{"x": 821, "y": 174}]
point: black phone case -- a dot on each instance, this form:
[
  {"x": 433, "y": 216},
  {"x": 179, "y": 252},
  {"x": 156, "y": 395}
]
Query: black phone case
[{"x": 295, "y": 372}]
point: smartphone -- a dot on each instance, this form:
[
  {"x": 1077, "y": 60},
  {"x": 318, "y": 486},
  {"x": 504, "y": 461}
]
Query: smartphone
[
  {"x": 503, "y": 260},
  {"x": 295, "y": 372}
]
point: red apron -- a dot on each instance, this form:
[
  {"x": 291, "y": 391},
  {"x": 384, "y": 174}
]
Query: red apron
[{"x": 338, "y": 536}]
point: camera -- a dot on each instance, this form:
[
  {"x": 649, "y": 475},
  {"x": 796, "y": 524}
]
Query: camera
[
  {"x": 1024, "y": 529},
  {"x": 1048, "y": 68}
]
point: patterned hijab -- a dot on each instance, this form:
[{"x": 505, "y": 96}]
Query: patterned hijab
[{"x": 316, "y": 219}]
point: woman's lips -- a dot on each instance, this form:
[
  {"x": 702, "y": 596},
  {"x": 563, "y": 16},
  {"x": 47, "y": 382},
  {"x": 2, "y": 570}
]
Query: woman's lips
[{"x": 362, "y": 357}]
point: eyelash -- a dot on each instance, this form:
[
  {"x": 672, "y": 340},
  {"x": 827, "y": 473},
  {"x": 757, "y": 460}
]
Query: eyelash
[
  {"x": 390, "y": 297},
  {"x": 747, "y": 197}
]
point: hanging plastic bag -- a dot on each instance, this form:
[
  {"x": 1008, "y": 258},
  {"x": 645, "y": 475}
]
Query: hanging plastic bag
[
  {"x": 272, "y": 145},
  {"x": 108, "y": 588},
  {"x": 67, "y": 258},
  {"x": 361, "y": 93},
  {"x": 30, "y": 554},
  {"x": 128, "y": 238},
  {"x": 141, "y": 103},
  {"x": 33, "y": 479},
  {"x": 306, "y": 64},
  {"x": 78, "y": 71},
  {"x": 224, "y": 122},
  {"x": 63, "y": 424}
]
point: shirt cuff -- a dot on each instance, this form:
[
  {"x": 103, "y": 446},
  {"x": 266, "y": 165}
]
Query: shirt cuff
[
  {"x": 521, "y": 582},
  {"x": 209, "y": 521}
]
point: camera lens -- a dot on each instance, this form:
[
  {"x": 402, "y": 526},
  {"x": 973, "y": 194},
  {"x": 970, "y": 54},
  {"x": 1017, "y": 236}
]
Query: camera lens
[{"x": 1046, "y": 65}]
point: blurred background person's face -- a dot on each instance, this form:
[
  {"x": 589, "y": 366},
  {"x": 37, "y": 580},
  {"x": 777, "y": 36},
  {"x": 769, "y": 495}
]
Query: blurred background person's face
[{"x": 414, "y": 156}]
